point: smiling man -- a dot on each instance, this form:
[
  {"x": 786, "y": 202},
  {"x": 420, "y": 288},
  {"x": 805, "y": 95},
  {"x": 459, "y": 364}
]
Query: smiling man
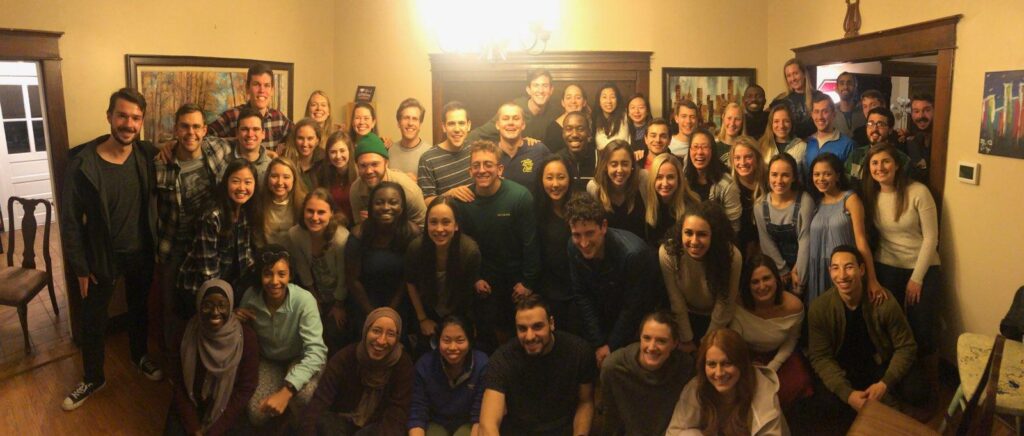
[
  {"x": 657, "y": 141},
  {"x": 249, "y": 136},
  {"x": 406, "y": 157},
  {"x": 879, "y": 130},
  {"x": 108, "y": 225},
  {"x": 444, "y": 169},
  {"x": 858, "y": 350},
  {"x": 501, "y": 220},
  {"x": 919, "y": 142},
  {"x": 372, "y": 163},
  {"x": 537, "y": 113},
  {"x": 755, "y": 117},
  {"x": 259, "y": 88},
  {"x": 542, "y": 384},
  {"x": 579, "y": 151},
  {"x": 185, "y": 186},
  {"x": 849, "y": 115},
  {"x": 613, "y": 274},
  {"x": 827, "y": 139},
  {"x": 520, "y": 161},
  {"x": 685, "y": 116}
]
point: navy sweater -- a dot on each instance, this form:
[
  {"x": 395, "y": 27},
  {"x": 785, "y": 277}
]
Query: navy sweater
[{"x": 434, "y": 400}]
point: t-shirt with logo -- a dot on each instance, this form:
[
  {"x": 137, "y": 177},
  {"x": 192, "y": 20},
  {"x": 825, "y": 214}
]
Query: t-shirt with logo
[{"x": 522, "y": 167}]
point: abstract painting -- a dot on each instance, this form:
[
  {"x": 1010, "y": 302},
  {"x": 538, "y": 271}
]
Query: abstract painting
[
  {"x": 214, "y": 84},
  {"x": 1002, "y": 114},
  {"x": 709, "y": 88}
]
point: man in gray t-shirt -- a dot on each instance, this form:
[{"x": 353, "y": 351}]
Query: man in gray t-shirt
[{"x": 405, "y": 155}]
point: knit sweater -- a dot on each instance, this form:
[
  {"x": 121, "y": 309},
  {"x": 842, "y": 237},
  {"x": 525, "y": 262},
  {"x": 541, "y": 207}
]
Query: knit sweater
[
  {"x": 624, "y": 382},
  {"x": 688, "y": 291},
  {"x": 887, "y": 327},
  {"x": 911, "y": 242}
]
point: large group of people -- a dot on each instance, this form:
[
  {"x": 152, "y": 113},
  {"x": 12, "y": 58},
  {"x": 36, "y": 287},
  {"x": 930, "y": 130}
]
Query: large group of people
[{"x": 700, "y": 281}]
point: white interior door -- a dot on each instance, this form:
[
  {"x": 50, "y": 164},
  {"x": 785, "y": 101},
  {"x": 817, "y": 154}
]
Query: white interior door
[{"x": 24, "y": 165}]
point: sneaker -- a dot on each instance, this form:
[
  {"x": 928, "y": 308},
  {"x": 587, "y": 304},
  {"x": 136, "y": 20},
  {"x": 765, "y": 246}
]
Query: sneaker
[
  {"x": 149, "y": 369},
  {"x": 80, "y": 394}
]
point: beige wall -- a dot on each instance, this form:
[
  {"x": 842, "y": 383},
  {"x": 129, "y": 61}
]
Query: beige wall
[
  {"x": 982, "y": 235},
  {"x": 382, "y": 43},
  {"x": 97, "y": 35},
  {"x": 393, "y": 48}
]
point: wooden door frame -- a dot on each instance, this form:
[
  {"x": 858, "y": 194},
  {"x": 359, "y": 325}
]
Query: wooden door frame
[
  {"x": 936, "y": 36},
  {"x": 42, "y": 47}
]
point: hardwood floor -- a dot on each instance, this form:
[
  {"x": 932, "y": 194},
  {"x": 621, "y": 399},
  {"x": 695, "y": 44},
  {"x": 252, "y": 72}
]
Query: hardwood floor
[{"x": 130, "y": 404}]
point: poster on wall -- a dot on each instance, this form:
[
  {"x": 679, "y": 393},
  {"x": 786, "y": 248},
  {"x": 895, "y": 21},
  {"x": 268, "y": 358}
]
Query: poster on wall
[
  {"x": 709, "y": 88},
  {"x": 215, "y": 84},
  {"x": 1002, "y": 114}
]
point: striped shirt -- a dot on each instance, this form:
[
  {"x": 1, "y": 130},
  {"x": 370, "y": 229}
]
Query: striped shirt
[{"x": 441, "y": 170}]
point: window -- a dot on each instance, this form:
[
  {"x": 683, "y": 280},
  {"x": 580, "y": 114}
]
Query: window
[{"x": 20, "y": 108}]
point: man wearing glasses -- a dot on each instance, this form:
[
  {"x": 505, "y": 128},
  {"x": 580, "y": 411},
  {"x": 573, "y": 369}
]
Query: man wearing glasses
[{"x": 879, "y": 130}]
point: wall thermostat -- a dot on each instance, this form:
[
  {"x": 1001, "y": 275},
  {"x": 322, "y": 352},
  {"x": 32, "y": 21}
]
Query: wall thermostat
[{"x": 967, "y": 172}]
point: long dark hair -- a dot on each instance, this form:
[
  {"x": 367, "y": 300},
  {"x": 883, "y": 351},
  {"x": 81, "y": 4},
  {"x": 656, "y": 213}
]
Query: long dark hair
[
  {"x": 226, "y": 205},
  {"x": 427, "y": 264},
  {"x": 796, "y": 186},
  {"x": 465, "y": 323},
  {"x": 647, "y": 119},
  {"x": 715, "y": 416},
  {"x": 611, "y": 124},
  {"x": 756, "y": 261},
  {"x": 870, "y": 187},
  {"x": 717, "y": 262},
  {"x": 837, "y": 167},
  {"x": 715, "y": 170},
  {"x": 403, "y": 229},
  {"x": 543, "y": 204},
  {"x": 351, "y": 125}
]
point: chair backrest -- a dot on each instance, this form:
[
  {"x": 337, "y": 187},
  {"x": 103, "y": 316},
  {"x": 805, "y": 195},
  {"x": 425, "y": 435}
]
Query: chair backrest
[{"x": 28, "y": 232}]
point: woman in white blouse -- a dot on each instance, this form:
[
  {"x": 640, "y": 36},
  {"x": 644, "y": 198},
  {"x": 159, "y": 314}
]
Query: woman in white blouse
[{"x": 770, "y": 320}]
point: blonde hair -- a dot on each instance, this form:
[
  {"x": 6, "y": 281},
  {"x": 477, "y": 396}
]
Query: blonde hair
[
  {"x": 808, "y": 86},
  {"x": 743, "y": 128},
  {"x": 681, "y": 198},
  {"x": 767, "y": 142},
  {"x": 266, "y": 197},
  {"x": 759, "y": 173},
  {"x": 329, "y": 126}
]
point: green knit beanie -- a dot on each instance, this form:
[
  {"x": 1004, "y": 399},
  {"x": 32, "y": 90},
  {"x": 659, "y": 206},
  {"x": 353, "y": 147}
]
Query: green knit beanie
[{"x": 371, "y": 143}]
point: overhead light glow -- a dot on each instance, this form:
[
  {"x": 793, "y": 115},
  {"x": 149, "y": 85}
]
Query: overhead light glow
[{"x": 478, "y": 26}]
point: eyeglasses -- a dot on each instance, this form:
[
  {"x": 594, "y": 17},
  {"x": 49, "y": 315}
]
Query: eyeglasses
[
  {"x": 273, "y": 256},
  {"x": 879, "y": 124}
]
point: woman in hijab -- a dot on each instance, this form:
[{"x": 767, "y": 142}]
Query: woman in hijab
[
  {"x": 219, "y": 365},
  {"x": 366, "y": 387}
]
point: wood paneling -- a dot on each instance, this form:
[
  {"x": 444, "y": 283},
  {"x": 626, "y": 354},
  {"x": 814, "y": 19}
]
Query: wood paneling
[{"x": 483, "y": 86}]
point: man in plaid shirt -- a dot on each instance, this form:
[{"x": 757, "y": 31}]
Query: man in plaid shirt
[
  {"x": 185, "y": 187},
  {"x": 259, "y": 85}
]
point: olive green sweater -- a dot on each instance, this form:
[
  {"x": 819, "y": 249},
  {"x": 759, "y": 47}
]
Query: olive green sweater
[{"x": 887, "y": 327}]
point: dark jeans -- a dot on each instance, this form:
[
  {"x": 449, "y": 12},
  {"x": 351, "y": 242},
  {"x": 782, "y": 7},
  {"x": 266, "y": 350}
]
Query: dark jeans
[
  {"x": 174, "y": 308},
  {"x": 331, "y": 423},
  {"x": 806, "y": 416},
  {"x": 921, "y": 316},
  {"x": 137, "y": 269},
  {"x": 699, "y": 324}
]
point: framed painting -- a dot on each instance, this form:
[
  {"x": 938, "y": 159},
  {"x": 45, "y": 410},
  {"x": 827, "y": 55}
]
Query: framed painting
[
  {"x": 215, "y": 84},
  {"x": 709, "y": 88},
  {"x": 1002, "y": 114}
]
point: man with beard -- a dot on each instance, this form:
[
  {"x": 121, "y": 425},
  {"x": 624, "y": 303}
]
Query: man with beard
[
  {"x": 919, "y": 141},
  {"x": 870, "y": 99},
  {"x": 444, "y": 169},
  {"x": 185, "y": 186},
  {"x": 501, "y": 220},
  {"x": 372, "y": 164},
  {"x": 849, "y": 115},
  {"x": 613, "y": 273},
  {"x": 537, "y": 114},
  {"x": 519, "y": 159},
  {"x": 579, "y": 151},
  {"x": 542, "y": 384},
  {"x": 108, "y": 219},
  {"x": 259, "y": 87},
  {"x": 756, "y": 118},
  {"x": 879, "y": 131}
]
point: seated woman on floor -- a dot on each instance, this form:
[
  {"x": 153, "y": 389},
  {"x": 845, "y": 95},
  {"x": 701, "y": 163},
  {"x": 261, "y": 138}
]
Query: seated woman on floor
[
  {"x": 729, "y": 395},
  {"x": 292, "y": 350},
  {"x": 367, "y": 386},
  {"x": 217, "y": 373}
]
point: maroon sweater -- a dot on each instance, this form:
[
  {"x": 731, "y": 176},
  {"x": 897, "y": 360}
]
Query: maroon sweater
[
  {"x": 340, "y": 391},
  {"x": 246, "y": 379}
]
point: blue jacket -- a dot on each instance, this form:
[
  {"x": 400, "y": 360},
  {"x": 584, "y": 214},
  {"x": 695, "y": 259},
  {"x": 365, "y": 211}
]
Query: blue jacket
[
  {"x": 434, "y": 400},
  {"x": 613, "y": 293}
]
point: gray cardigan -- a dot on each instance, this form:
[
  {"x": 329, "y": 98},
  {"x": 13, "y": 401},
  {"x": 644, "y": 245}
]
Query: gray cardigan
[{"x": 299, "y": 245}]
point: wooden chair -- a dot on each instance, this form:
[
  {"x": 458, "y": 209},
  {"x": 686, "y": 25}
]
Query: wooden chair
[{"x": 20, "y": 284}]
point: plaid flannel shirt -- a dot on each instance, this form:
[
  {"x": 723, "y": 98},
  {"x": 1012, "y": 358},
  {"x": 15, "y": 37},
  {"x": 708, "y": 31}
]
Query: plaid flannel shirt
[
  {"x": 216, "y": 153},
  {"x": 211, "y": 256},
  {"x": 275, "y": 126}
]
